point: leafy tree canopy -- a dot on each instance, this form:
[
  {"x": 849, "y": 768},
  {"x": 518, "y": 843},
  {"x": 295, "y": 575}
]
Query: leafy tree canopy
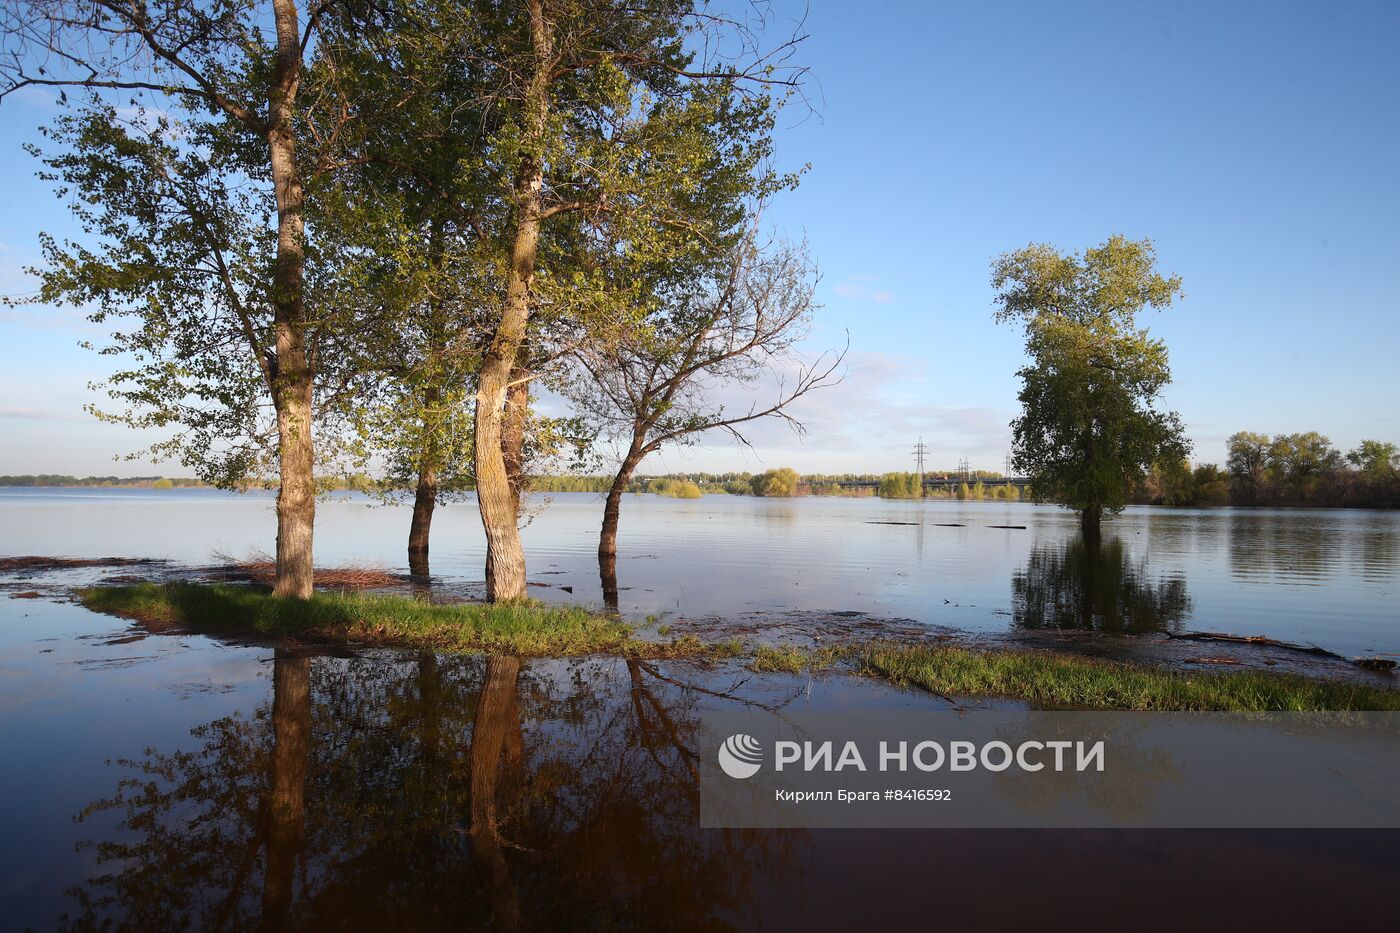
[{"x": 1090, "y": 427}]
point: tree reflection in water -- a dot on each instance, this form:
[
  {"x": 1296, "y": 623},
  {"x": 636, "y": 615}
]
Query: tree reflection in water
[
  {"x": 464, "y": 791},
  {"x": 1088, "y": 584}
]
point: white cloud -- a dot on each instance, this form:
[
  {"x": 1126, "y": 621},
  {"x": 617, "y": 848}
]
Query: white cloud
[
  {"x": 863, "y": 288},
  {"x": 869, "y": 422}
]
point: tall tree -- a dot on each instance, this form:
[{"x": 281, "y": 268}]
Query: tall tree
[
  {"x": 1248, "y": 461},
  {"x": 415, "y": 221},
  {"x": 418, "y": 281},
  {"x": 1376, "y": 459},
  {"x": 593, "y": 107},
  {"x": 1301, "y": 461},
  {"x": 1090, "y": 428},
  {"x": 198, "y": 209}
]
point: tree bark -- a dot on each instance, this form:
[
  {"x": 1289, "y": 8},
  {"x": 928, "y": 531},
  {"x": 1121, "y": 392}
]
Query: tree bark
[
  {"x": 513, "y": 446},
  {"x": 607, "y": 572},
  {"x": 506, "y": 581},
  {"x": 292, "y": 376},
  {"x": 612, "y": 514},
  {"x": 425, "y": 498},
  {"x": 286, "y": 804},
  {"x": 424, "y": 502}
]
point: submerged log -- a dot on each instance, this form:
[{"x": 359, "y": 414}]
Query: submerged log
[{"x": 1254, "y": 640}]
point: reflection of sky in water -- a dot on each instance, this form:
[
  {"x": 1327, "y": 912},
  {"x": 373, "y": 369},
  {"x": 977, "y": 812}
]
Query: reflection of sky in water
[
  {"x": 1328, "y": 577},
  {"x": 594, "y": 802}
]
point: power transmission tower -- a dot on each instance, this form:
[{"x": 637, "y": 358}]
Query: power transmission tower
[
  {"x": 920, "y": 451},
  {"x": 1007, "y": 463},
  {"x": 964, "y": 469}
]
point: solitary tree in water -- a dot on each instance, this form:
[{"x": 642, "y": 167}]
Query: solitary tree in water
[{"x": 1089, "y": 426}]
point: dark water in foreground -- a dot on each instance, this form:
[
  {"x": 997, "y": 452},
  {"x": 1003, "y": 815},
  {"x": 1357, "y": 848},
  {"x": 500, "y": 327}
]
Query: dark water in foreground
[
  {"x": 169, "y": 782},
  {"x": 173, "y": 782}
]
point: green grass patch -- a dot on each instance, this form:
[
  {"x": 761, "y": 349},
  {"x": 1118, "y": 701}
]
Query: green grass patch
[
  {"x": 533, "y": 629},
  {"x": 790, "y": 659},
  {"x": 398, "y": 621},
  {"x": 1067, "y": 680}
]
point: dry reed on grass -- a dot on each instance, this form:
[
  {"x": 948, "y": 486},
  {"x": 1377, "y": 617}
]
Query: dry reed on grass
[{"x": 260, "y": 567}]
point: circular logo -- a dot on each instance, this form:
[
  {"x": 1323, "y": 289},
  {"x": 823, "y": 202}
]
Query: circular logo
[{"x": 741, "y": 756}]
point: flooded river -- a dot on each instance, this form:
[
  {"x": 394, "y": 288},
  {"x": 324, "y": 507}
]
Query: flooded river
[
  {"x": 178, "y": 781},
  {"x": 1330, "y": 578}
]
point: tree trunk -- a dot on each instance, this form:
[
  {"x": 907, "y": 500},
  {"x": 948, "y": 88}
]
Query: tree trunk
[
  {"x": 296, "y": 495},
  {"x": 424, "y": 502},
  {"x": 425, "y": 498},
  {"x": 1089, "y": 522},
  {"x": 506, "y": 581},
  {"x": 513, "y": 429},
  {"x": 607, "y": 572},
  {"x": 292, "y": 374},
  {"x": 513, "y": 445},
  {"x": 612, "y": 514},
  {"x": 286, "y": 804}
]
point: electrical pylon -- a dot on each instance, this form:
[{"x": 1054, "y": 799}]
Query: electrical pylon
[{"x": 920, "y": 452}]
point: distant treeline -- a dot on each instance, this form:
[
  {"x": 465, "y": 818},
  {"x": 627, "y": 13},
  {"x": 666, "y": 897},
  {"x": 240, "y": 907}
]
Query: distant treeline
[
  {"x": 1284, "y": 470},
  {"x": 56, "y": 479},
  {"x": 359, "y": 482},
  {"x": 784, "y": 481}
]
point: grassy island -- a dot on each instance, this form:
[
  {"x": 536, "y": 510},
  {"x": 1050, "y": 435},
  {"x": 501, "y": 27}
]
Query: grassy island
[
  {"x": 531, "y": 629},
  {"x": 527, "y": 629}
]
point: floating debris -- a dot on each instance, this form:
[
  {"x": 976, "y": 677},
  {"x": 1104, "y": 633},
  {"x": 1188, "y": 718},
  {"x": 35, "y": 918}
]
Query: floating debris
[{"x": 1253, "y": 640}]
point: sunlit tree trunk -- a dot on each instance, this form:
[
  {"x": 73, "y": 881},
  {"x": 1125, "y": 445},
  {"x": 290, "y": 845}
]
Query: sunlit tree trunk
[
  {"x": 291, "y": 388},
  {"x": 286, "y": 803},
  {"x": 494, "y": 497},
  {"x": 512, "y": 448}
]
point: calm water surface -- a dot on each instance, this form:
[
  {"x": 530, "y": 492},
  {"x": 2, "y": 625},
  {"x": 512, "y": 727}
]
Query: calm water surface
[
  {"x": 175, "y": 782},
  {"x": 1330, "y": 578},
  {"x": 180, "y": 782}
]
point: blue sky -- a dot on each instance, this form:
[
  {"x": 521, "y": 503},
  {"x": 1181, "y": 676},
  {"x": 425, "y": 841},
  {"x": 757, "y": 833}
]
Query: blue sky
[{"x": 1255, "y": 142}]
